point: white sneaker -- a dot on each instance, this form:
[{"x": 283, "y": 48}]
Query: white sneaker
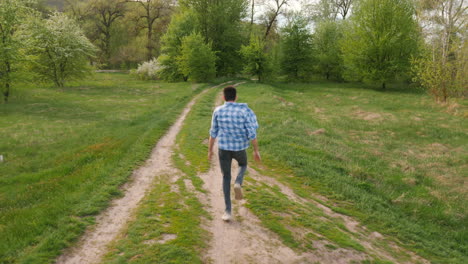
[
  {"x": 238, "y": 192},
  {"x": 226, "y": 217}
]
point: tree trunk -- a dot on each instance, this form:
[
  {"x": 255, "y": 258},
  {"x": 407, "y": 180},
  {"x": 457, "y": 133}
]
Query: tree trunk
[
  {"x": 384, "y": 86},
  {"x": 252, "y": 14},
  {"x": 149, "y": 45},
  {"x": 107, "y": 53},
  {"x": 6, "y": 92}
]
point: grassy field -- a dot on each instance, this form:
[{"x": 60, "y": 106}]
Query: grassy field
[
  {"x": 67, "y": 152},
  {"x": 395, "y": 160}
]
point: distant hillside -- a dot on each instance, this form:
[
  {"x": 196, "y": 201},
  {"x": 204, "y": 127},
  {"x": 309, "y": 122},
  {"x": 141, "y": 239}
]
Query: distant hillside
[{"x": 59, "y": 4}]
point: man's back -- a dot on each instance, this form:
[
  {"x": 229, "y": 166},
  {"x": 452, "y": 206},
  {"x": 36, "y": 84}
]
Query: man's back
[{"x": 234, "y": 124}]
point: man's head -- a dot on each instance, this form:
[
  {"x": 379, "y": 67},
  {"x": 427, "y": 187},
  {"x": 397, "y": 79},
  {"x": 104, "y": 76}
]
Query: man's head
[{"x": 230, "y": 94}]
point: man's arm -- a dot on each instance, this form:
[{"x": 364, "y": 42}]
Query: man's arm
[
  {"x": 213, "y": 134},
  {"x": 251, "y": 125},
  {"x": 210, "y": 147},
  {"x": 256, "y": 152}
]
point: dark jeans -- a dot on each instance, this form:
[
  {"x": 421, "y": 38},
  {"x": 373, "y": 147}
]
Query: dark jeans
[{"x": 225, "y": 161}]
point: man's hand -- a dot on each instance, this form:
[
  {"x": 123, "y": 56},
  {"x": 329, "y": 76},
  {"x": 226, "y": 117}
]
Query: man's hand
[
  {"x": 210, "y": 154},
  {"x": 257, "y": 157}
]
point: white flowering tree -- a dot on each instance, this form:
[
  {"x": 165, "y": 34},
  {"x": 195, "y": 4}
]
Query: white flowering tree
[{"x": 62, "y": 50}]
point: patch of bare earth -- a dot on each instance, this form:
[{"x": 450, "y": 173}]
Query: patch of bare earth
[
  {"x": 93, "y": 244},
  {"x": 371, "y": 116},
  {"x": 371, "y": 241}
]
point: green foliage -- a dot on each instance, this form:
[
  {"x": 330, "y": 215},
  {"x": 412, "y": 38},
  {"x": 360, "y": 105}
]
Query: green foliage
[
  {"x": 297, "y": 50},
  {"x": 181, "y": 26},
  {"x": 219, "y": 22},
  {"x": 442, "y": 79},
  {"x": 327, "y": 38},
  {"x": 443, "y": 69},
  {"x": 13, "y": 14},
  {"x": 382, "y": 38},
  {"x": 255, "y": 58},
  {"x": 62, "y": 50},
  {"x": 197, "y": 60}
]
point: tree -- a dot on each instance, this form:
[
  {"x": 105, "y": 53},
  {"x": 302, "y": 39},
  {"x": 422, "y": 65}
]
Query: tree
[
  {"x": 62, "y": 50},
  {"x": 219, "y": 22},
  {"x": 181, "y": 26},
  {"x": 104, "y": 13},
  {"x": 12, "y": 16},
  {"x": 297, "y": 56},
  {"x": 197, "y": 60},
  {"x": 149, "y": 11},
  {"x": 255, "y": 58},
  {"x": 272, "y": 13},
  {"x": 327, "y": 38},
  {"x": 328, "y": 9},
  {"x": 443, "y": 70},
  {"x": 382, "y": 38},
  {"x": 343, "y": 7},
  {"x": 322, "y": 10}
]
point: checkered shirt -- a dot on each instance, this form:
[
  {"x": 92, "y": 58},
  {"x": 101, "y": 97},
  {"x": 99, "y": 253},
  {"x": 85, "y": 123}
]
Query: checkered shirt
[{"x": 235, "y": 125}]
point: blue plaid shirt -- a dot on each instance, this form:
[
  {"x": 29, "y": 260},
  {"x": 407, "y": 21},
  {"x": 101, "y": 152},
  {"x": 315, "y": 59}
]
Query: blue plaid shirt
[{"x": 235, "y": 125}]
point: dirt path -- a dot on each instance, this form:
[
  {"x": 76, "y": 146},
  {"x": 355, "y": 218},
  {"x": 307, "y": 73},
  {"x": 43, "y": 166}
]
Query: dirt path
[{"x": 92, "y": 245}]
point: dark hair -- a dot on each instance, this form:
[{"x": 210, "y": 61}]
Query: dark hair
[{"x": 230, "y": 93}]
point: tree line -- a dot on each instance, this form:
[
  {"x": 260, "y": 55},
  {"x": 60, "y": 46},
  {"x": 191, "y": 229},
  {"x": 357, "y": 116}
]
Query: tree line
[{"x": 377, "y": 41}]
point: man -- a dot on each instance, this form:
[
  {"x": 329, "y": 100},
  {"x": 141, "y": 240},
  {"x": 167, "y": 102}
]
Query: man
[{"x": 234, "y": 125}]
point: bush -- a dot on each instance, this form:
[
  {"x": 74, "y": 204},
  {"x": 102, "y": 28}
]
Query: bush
[{"x": 148, "y": 70}]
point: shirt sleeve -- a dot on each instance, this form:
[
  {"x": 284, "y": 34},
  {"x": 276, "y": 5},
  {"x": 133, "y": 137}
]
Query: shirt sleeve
[
  {"x": 214, "y": 125},
  {"x": 251, "y": 124}
]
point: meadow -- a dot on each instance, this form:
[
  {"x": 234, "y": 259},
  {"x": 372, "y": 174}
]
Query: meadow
[
  {"x": 393, "y": 159},
  {"x": 67, "y": 151}
]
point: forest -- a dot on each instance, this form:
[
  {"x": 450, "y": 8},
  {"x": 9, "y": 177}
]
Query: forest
[{"x": 418, "y": 42}]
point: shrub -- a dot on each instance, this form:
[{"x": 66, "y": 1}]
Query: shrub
[{"x": 148, "y": 70}]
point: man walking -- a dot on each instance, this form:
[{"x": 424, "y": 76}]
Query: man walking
[{"x": 234, "y": 125}]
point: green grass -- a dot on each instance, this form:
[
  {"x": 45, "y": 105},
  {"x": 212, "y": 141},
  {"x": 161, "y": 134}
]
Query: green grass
[
  {"x": 68, "y": 151},
  {"x": 396, "y": 160},
  {"x": 164, "y": 211}
]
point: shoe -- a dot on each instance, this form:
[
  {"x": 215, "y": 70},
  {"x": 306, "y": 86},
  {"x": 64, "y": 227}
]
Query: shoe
[
  {"x": 238, "y": 192},
  {"x": 226, "y": 217}
]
